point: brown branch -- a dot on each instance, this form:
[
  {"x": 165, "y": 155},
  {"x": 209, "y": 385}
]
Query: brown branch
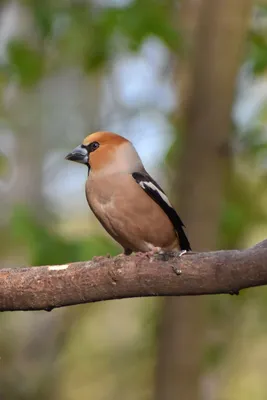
[{"x": 103, "y": 278}]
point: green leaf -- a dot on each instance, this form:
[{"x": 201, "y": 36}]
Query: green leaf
[
  {"x": 25, "y": 63},
  {"x": 43, "y": 14},
  {"x": 258, "y": 51},
  {"x": 143, "y": 18}
]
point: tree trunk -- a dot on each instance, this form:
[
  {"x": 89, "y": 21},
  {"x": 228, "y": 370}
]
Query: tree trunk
[{"x": 207, "y": 104}]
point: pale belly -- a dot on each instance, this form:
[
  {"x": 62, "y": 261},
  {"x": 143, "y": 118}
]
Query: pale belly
[{"x": 136, "y": 225}]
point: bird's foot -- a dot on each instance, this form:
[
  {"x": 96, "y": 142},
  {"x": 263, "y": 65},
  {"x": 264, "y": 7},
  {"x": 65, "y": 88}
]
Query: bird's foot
[
  {"x": 127, "y": 252},
  {"x": 234, "y": 292},
  {"x": 151, "y": 253}
]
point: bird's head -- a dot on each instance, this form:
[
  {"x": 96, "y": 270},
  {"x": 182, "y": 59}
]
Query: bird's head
[{"x": 105, "y": 151}]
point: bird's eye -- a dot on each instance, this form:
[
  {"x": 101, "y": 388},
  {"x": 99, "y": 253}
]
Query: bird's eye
[{"x": 93, "y": 146}]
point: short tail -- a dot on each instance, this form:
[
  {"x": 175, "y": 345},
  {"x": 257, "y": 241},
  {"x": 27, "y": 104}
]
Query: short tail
[{"x": 183, "y": 241}]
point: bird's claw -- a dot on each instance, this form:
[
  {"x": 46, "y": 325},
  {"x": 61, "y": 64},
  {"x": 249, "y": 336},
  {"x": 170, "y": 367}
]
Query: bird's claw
[
  {"x": 150, "y": 253},
  {"x": 234, "y": 292}
]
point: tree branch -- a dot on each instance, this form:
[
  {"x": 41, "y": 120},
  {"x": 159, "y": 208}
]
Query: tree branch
[{"x": 104, "y": 278}]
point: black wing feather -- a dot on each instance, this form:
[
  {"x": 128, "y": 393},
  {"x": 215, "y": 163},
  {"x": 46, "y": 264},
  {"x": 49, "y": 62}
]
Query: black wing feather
[{"x": 143, "y": 179}]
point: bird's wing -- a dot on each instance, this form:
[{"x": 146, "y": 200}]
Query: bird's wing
[{"x": 154, "y": 191}]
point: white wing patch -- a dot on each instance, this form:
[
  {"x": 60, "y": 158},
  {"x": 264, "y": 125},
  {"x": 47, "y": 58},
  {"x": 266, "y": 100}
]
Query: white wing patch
[{"x": 151, "y": 185}]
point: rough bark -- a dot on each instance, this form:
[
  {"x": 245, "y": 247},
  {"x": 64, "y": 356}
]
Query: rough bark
[
  {"x": 207, "y": 97},
  {"x": 48, "y": 287}
]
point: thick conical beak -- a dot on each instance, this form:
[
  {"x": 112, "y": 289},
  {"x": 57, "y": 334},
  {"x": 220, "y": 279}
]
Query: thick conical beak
[{"x": 79, "y": 154}]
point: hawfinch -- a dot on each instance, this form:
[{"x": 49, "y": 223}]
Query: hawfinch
[{"x": 129, "y": 204}]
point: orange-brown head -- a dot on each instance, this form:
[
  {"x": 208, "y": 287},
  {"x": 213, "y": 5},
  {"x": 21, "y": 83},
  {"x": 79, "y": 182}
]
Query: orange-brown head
[{"x": 105, "y": 151}]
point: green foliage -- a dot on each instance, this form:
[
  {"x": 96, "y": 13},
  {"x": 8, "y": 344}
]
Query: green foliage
[
  {"x": 48, "y": 247},
  {"x": 258, "y": 51},
  {"x": 143, "y": 18},
  {"x": 257, "y": 40},
  {"x": 241, "y": 211},
  {"x": 85, "y": 34},
  {"x": 44, "y": 15},
  {"x": 214, "y": 354},
  {"x": 132, "y": 24},
  {"x": 244, "y": 205},
  {"x": 26, "y": 65}
]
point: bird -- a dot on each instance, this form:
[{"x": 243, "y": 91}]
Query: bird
[{"x": 126, "y": 200}]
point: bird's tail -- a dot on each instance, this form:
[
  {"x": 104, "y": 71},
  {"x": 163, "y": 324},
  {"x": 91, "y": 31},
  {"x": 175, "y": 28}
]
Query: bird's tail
[{"x": 183, "y": 241}]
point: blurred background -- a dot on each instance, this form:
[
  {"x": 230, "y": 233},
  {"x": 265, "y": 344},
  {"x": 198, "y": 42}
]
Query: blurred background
[{"x": 186, "y": 82}]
